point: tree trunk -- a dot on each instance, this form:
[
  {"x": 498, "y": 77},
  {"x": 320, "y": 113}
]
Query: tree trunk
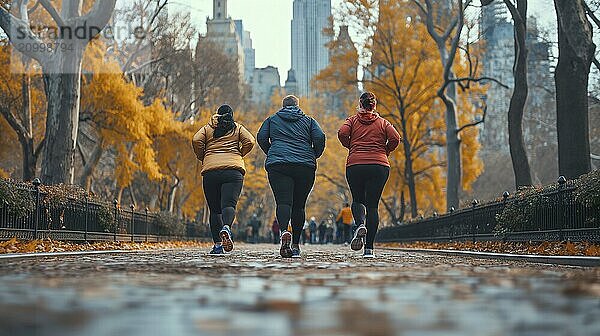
[
  {"x": 402, "y": 206},
  {"x": 27, "y": 145},
  {"x": 575, "y": 55},
  {"x": 518, "y": 152},
  {"x": 454, "y": 176},
  {"x": 409, "y": 174},
  {"x": 172, "y": 194},
  {"x": 62, "y": 93}
]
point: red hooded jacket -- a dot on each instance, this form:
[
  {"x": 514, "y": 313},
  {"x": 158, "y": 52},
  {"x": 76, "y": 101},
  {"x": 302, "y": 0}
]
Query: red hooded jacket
[{"x": 370, "y": 139}]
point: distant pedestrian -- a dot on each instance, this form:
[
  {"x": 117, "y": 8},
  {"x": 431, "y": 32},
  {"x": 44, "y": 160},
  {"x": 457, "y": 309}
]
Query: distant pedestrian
[
  {"x": 344, "y": 217},
  {"x": 370, "y": 140},
  {"x": 221, "y": 146},
  {"x": 322, "y": 229},
  {"x": 305, "y": 237},
  {"x": 329, "y": 234},
  {"x": 275, "y": 230},
  {"x": 256, "y": 224},
  {"x": 312, "y": 230},
  {"x": 292, "y": 142}
]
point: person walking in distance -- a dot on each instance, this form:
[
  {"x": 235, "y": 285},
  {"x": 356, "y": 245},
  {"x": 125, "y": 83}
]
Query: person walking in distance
[
  {"x": 292, "y": 142},
  {"x": 370, "y": 140},
  {"x": 322, "y": 230},
  {"x": 312, "y": 230},
  {"x": 221, "y": 146},
  {"x": 345, "y": 218},
  {"x": 275, "y": 230}
]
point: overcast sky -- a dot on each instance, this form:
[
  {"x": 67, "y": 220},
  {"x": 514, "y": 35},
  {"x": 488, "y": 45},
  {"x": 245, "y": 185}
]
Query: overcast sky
[{"x": 269, "y": 23}]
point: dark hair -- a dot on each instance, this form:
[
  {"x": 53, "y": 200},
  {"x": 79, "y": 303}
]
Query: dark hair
[
  {"x": 346, "y": 205},
  {"x": 368, "y": 101},
  {"x": 225, "y": 121},
  {"x": 290, "y": 100}
]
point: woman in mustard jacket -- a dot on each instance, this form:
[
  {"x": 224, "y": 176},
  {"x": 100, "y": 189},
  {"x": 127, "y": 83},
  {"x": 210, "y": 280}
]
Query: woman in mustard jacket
[{"x": 221, "y": 146}]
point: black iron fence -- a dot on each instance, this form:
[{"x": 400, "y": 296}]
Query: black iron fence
[
  {"x": 552, "y": 214},
  {"x": 27, "y": 212}
]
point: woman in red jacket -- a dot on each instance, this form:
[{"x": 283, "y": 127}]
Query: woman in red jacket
[{"x": 370, "y": 140}]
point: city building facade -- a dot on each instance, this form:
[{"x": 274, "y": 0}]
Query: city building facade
[
  {"x": 221, "y": 30},
  {"x": 309, "y": 45},
  {"x": 539, "y": 120},
  {"x": 264, "y": 83}
]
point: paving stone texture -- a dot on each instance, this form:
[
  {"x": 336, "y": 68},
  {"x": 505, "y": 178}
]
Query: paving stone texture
[{"x": 330, "y": 291}]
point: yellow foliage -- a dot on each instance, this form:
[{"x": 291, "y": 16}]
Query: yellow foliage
[
  {"x": 11, "y": 99},
  {"x": 405, "y": 73},
  {"x": 123, "y": 121}
]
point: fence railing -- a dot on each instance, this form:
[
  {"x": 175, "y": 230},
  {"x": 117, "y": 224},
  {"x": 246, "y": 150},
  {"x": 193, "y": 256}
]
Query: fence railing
[
  {"x": 553, "y": 215},
  {"x": 34, "y": 214}
]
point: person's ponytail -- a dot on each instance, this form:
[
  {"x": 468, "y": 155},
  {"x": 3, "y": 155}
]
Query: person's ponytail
[{"x": 225, "y": 121}]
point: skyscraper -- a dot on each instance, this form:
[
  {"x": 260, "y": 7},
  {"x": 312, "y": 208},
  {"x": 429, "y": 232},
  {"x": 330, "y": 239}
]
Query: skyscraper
[
  {"x": 221, "y": 31},
  {"x": 309, "y": 45},
  {"x": 539, "y": 118},
  {"x": 249, "y": 52}
]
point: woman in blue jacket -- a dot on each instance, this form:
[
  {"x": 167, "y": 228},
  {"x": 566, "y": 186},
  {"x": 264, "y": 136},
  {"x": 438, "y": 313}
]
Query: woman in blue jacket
[{"x": 292, "y": 142}]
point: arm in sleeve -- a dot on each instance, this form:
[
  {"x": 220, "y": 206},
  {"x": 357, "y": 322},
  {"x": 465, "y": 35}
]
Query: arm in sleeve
[
  {"x": 318, "y": 138},
  {"x": 199, "y": 144},
  {"x": 393, "y": 138},
  {"x": 344, "y": 133},
  {"x": 263, "y": 136},
  {"x": 246, "y": 140}
]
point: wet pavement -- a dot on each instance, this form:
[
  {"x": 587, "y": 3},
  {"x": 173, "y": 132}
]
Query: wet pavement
[{"x": 330, "y": 291}]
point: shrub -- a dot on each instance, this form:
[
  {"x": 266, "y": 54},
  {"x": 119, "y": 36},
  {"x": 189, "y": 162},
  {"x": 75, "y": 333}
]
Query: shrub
[
  {"x": 18, "y": 201},
  {"x": 521, "y": 210},
  {"x": 106, "y": 218},
  {"x": 588, "y": 189},
  {"x": 169, "y": 224}
]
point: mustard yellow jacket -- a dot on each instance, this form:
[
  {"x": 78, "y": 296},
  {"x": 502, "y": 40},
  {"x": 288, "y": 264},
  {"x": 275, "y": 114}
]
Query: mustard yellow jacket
[{"x": 225, "y": 152}]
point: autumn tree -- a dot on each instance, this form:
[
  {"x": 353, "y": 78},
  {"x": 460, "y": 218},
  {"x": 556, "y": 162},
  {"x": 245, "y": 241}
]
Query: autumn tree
[
  {"x": 445, "y": 24},
  {"x": 518, "y": 153},
  {"x": 61, "y": 67},
  {"x": 402, "y": 71},
  {"x": 337, "y": 84},
  {"x": 216, "y": 76},
  {"x": 21, "y": 106}
]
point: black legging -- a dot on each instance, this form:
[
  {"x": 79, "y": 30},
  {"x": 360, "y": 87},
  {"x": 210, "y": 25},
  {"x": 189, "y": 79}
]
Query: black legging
[
  {"x": 222, "y": 190},
  {"x": 291, "y": 184},
  {"x": 366, "y": 183}
]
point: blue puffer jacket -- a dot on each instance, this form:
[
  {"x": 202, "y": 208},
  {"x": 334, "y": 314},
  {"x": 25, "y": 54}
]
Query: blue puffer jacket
[{"x": 290, "y": 136}]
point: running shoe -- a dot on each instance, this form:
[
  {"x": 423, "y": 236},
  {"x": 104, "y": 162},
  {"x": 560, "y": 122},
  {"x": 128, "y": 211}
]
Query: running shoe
[
  {"x": 368, "y": 253},
  {"x": 226, "y": 240},
  {"x": 296, "y": 253},
  {"x": 359, "y": 238},
  {"x": 217, "y": 250},
  {"x": 286, "y": 245}
]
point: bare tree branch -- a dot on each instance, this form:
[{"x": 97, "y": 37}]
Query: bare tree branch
[
  {"x": 475, "y": 123},
  {"x": 53, "y": 13}
]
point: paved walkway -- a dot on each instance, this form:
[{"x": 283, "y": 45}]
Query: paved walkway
[{"x": 330, "y": 291}]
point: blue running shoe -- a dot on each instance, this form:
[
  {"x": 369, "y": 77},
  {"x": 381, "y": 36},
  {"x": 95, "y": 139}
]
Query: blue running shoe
[
  {"x": 296, "y": 253},
  {"x": 226, "y": 240},
  {"x": 368, "y": 254},
  {"x": 217, "y": 250},
  {"x": 286, "y": 245},
  {"x": 359, "y": 238}
]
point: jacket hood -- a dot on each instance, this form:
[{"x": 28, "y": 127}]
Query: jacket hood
[
  {"x": 366, "y": 117},
  {"x": 290, "y": 113}
]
